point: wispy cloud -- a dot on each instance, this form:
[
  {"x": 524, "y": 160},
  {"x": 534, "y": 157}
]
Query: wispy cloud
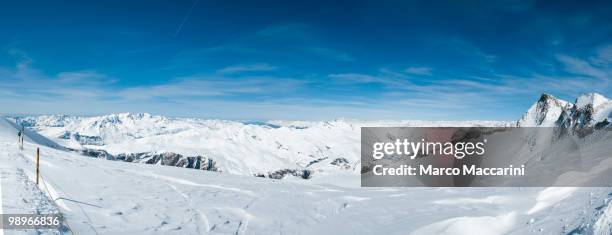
[
  {"x": 330, "y": 53},
  {"x": 297, "y": 32},
  {"x": 206, "y": 86},
  {"x": 85, "y": 77},
  {"x": 573, "y": 76},
  {"x": 29, "y": 83},
  {"x": 358, "y": 78},
  {"x": 25, "y": 83},
  {"x": 603, "y": 56},
  {"x": 246, "y": 68},
  {"x": 464, "y": 47},
  {"x": 302, "y": 38},
  {"x": 280, "y": 42},
  {"x": 419, "y": 70},
  {"x": 253, "y": 91},
  {"x": 583, "y": 67}
]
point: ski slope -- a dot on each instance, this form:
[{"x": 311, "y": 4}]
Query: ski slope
[{"x": 109, "y": 197}]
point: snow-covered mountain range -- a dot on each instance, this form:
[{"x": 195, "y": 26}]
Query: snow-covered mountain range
[{"x": 270, "y": 149}]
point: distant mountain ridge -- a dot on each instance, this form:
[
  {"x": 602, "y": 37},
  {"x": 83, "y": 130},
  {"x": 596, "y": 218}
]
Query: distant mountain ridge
[{"x": 270, "y": 149}]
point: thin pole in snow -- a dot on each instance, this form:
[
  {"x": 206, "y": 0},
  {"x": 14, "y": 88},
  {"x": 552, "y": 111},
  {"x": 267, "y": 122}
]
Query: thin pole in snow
[
  {"x": 37, "y": 164},
  {"x": 21, "y": 137}
]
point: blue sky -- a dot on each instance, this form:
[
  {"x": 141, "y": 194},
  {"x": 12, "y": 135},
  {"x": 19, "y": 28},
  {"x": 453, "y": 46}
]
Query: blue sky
[{"x": 448, "y": 60}]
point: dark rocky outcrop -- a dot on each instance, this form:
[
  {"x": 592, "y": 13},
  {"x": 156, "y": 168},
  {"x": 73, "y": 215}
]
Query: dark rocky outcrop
[
  {"x": 83, "y": 139},
  {"x": 341, "y": 162},
  {"x": 165, "y": 158},
  {"x": 280, "y": 174}
]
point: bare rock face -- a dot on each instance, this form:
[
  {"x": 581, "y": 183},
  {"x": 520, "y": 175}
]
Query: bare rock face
[
  {"x": 341, "y": 162},
  {"x": 166, "y": 159},
  {"x": 280, "y": 174}
]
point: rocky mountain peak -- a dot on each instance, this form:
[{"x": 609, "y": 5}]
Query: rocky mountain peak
[
  {"x": 545, "y": 112},
  {"x": 589, "y": 110}
]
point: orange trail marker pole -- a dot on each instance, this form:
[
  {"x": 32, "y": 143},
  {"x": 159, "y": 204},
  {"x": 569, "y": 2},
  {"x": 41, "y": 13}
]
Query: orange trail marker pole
[{"x": 37, "y": 164}]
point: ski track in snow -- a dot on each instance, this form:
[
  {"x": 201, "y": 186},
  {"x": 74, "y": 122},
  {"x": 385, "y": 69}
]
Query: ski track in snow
[
  {"x": 188, "y": 201},
  {"x": 190, "y": 183}
]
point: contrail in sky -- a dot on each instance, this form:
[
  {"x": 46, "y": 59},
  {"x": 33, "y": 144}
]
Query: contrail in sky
[{"x": 178, "y": 30}]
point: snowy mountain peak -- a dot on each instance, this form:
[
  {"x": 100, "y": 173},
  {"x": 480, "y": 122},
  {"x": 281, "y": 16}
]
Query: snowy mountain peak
[
  {"x": 593, "y": 99},
  {"x": 589, "y": 110},
  {"x": 545, "y": 112}
]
